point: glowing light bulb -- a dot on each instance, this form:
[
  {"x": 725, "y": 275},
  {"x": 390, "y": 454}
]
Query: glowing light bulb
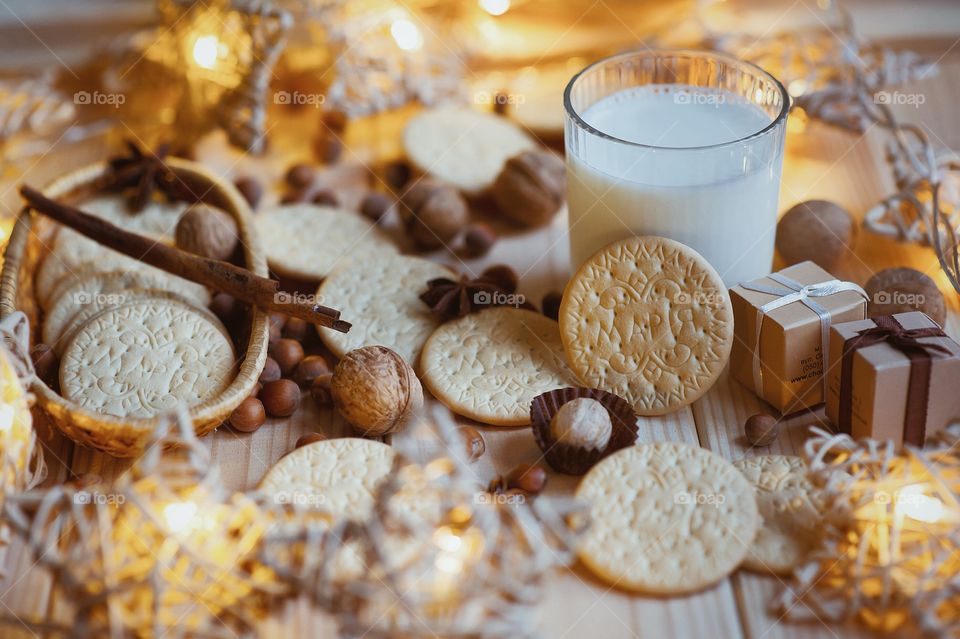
[
  {"x": 797, "y": 87},
  {"x": 406, "y": 34},
  {"x": 180, "y": 516},
  {"x": 495, "y": 7},
  {"x": 205, "y": 51},
  {"x": 914, "y": 504}
]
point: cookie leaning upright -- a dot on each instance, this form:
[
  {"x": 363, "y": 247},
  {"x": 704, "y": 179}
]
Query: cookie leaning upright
[
  {"x": 649, "y": 319},
  {"x": 790, "y": 507},
  {"x": 307, "y": 242},
  {"x": 666, "y": 518},
  {"x": 463, "y": 147}
]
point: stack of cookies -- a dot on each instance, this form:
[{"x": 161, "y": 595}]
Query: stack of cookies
[{"x": 133, "y": 341}]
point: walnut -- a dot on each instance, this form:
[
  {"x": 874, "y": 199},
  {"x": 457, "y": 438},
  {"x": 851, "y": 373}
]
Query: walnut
[
  {"x": 207, "y": 231},
  {"x": 584, "y": 423},
  {"x": 433, "y": 213},
  {"x": 375, "y": 390},
  {"x": 531, "y": 187},
  {"x": 816, "y": 230}
]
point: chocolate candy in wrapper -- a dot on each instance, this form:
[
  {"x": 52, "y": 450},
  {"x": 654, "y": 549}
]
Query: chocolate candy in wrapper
[{"x": 577, "y": 460}]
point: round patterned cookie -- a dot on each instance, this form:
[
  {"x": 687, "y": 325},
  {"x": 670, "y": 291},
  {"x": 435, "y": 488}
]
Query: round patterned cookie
[
  {"x": 790, "y": 508},
  {"x": 463, "y": 147},
  {"x": 70, "y": 250},
  {"x": 337, "y": 475},
  {"x": 307, "y": 242},
  {"x": 93, "y": 291},
  {"x": 666, "y": 518},
  {"x": 489, "y": 366},
  {"x": 649, "y": 319},
  {"x": 382, "y": 298},
  {"x": 146, "y": 357}
]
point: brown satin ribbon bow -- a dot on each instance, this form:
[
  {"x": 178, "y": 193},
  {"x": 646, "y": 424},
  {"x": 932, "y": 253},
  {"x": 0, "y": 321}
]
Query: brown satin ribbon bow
[{"x": 906, "y": 341}]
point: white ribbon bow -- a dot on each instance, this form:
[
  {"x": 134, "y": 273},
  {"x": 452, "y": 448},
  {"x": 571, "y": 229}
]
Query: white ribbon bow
[{"x": 791, "y": 292}]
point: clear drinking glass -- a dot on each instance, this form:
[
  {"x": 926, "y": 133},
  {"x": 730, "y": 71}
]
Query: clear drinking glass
[{"x": 682, "y": 144}]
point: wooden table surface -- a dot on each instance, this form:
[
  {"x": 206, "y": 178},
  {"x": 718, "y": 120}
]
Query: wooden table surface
[{"x": 821, "y": 163}]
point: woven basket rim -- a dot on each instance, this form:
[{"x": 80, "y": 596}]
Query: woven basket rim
[{"x": 124, "y": 437}]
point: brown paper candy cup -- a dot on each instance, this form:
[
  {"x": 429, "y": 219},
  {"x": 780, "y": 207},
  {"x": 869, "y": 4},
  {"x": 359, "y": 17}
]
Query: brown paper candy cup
[{"x": 574, "y": 460}]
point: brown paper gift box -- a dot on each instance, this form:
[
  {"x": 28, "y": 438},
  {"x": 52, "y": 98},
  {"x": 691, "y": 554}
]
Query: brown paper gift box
[
  {"x": 791, "y": 361},
  {"x": 880, "y": 382}
]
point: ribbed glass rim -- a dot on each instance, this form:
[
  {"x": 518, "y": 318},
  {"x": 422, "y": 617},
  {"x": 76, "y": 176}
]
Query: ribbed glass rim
[{"x": 729, "y": 59}]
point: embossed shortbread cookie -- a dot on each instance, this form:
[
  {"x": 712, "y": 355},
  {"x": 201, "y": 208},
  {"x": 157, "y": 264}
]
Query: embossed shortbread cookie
[
  {"x": 649, "y": 319},
  {"x": 146, "y": 357},
  {"x": 382, "y": 299},
  {"x": 489, "y": 366},
  {"x": 790, "y": 509},
  {"x": 94, "y": 291},
  {"x": 71, "y": 250},
  {"x": 306, "y": 241},
  {"x": 666, "y": 518},
  {"x": 339, "y": 476},
  {"x": 463, "y": 147}
]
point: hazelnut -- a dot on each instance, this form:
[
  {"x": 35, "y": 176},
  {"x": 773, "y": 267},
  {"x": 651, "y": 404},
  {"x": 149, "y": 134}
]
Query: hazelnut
[
  {"x": 325, "y": 197},
  {"x": 271, "y": 371},
  {"x": 530, "y": 188},
  {"x": 309, "y": 438},
  {"x": 287, "y": 353},
  {"x": 375, "y": 390},
  {"x": 277, "y": 322},
  {"x": 248, "y": 416},
  {"x": 280, "y": 398},
  {"x": 207, "y": 231},
  {"x": 901, "y": 290},
  {"x": 473, "y": 443},
  {"x": 293, "y": 197},
  {"x": 582, "y": 422},
  {"x": 503, "y": 276},
  {"x": 816, "y": 230},
  {"x": 309, "y": 369},
  {"x": 300, "y": 176},
  {"x": 551, "y": 304},
  {"x": 336, "y": 121},
  {"x": 251, "y": 190},
  {"x": 433, "y": 213},
  {"x": 376, "y": 206},
  {"x": 761, "y": 430},
  {"x": 327, "y": 148},
  {"x": 45, "y": 363},
  {"x": 478, "y": 239},
  {"x": 396, "y": 174},
  {"x": 320, "y": 390},
  {"x": 295, "y": 328},
  {"x": 224, "y": 306},
  {"x": 530, "y": 478}
]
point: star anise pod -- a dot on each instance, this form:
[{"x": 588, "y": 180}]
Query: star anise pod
[
  {"x": 147, "y": 173},
  {"x": 449, "y": 298}
]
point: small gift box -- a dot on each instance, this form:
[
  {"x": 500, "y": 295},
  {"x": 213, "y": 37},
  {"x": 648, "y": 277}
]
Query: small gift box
[
  {"x": 893, "y": 377},
  {"x": 782, "y": 329}
]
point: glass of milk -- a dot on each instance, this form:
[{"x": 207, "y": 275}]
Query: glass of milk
[{"x": 683, "y": 144}]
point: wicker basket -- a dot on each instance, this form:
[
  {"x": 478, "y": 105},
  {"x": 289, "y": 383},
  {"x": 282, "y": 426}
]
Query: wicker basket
[{"x": 118, "y": 436}]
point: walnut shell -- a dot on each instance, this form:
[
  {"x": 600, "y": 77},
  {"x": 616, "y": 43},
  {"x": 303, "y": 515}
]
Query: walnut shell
[
  {"x": 433, "y": 213},
  {"x": 207, "y": 231},
  {"x": 375, "y": 390},
  {"x": 816, "y": 230},
  {"x": 531, "y": 187}
]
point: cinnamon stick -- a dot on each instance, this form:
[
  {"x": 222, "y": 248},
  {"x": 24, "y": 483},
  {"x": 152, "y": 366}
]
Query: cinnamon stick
[{"x": 220, "y": 276}]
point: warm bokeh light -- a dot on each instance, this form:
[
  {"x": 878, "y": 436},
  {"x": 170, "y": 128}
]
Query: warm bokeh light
[
  {"x": 406, "y": 34},
  {"x": 495, "y": 7},
  {"x": 205, "y": 51},
  {"x": 914, "y": 504}
]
